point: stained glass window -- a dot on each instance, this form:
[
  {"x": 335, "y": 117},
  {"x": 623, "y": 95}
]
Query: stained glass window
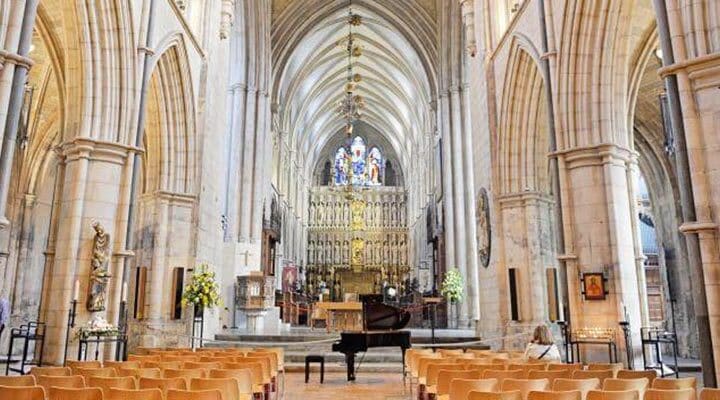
[{"x": 367, "y": 167}]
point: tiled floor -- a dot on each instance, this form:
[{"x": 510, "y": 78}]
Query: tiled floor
[{"x": 372, "y": 386}]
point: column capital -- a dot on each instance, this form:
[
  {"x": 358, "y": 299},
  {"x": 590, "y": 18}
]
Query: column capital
[
  {"x": 92, "y": 149},
  {"x": 603, "y": 153}
]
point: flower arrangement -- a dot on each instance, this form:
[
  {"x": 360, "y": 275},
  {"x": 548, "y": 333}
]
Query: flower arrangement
[
  {"x": 203, "y": 289},
  {"x": 452, "y": 286},
  {"x": 97, "y": 326}
]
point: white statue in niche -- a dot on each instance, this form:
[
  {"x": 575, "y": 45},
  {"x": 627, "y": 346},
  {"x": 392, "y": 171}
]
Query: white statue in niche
[{"x": 99, "y": 275}]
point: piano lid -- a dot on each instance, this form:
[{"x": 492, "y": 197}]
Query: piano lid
[{"x": 383, "y": 317}]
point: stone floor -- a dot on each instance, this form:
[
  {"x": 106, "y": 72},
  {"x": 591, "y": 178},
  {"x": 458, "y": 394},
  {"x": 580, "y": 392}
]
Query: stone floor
[{"x": 368, "y": 385}]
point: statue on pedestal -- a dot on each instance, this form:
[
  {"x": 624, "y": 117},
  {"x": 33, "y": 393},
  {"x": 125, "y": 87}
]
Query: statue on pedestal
[{"x": 99, "y": 275}]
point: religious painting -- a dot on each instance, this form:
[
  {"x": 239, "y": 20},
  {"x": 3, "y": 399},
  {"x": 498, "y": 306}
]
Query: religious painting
[
  {"x": 374, "y": 167},
  {"x": 341, "y": 167},
  {"x": 357, "y": 148},
  {"x": 594, "y": 286},
  {"x": 482, "y": 218},
  {"x": 289, "y": 278}
]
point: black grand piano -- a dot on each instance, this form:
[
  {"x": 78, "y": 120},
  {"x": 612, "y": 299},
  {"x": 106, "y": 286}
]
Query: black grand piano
[{"x": 381, "y": 323}]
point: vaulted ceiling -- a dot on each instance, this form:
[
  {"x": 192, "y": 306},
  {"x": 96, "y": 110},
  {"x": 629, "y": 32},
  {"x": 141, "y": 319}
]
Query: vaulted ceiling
[{"x": 397, "y": 67}]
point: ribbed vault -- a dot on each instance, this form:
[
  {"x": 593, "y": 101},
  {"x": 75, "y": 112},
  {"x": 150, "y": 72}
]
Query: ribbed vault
[{"x": 310, "y": 72}]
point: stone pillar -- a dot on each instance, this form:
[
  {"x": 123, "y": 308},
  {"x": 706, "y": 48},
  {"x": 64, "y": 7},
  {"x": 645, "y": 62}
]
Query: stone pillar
[
  {"x": 91, "y": 188},
  {"x": 599, "y": 236},
  {"x": 447, "y": 183},
  {"x": 459, "y": 182}
]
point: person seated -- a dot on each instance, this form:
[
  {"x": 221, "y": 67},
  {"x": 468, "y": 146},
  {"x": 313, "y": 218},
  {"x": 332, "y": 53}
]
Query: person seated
[{"x": 542, "y": 346}]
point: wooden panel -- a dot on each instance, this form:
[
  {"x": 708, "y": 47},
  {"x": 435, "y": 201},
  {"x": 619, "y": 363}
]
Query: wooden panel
[
  {"x": 552, "y": 294},
  {"x": 140, "y": 286}
]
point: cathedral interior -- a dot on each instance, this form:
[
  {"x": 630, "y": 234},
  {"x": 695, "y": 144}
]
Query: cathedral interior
[{"x": 478, "y": 167}]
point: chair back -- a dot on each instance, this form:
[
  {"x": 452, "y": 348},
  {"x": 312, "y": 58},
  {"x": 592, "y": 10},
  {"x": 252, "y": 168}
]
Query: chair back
[
  {"x": 581, "y": 385},
  {"x": 120, "y": 382},
  {"x": 433, "y": 370},
  {"x": 525, "y": 386},
  {"x": 91, "y": 393},
  {"x": 50, "y": 371},
  {"x": 186, "y": 374},
  {"x": 615, "y": 384},
  {"x": 228, "y": 386},
  {"x": 122, "y": 364},
  {"x": 279, "y": 352},
  {"x": 515, "y": 395},
  {"x": 550, "y": 375},
  {"x": 174, "y": 394},
  {"x": 102, "y": 372},
  {"x": 141, "y": 372},
  {"x": 478, "y": 365},
  {"x": 615, "y": 367},
  {"x": 460, "y": 388},
  {"x": 127, "y": 394},
  {"x": 550, "y": 395},
  {"x": 502, "y": 375},
  {"x": 256, "y": 370},
  {"x": 710, "y": 394},
  {"x": 164, "y": 384},
  {"x": 675, "y": 383},
  {"x": 613, "y": 395},
  {"x": 564, "y": 367},
  {"x": 83, "y": 364},
  {"x": 22, "y": 393},
  {"x": 670, "y": 394},
  {"x": 600, "y": 374},
  {"x": 74, "y": 382},
  {"x": 138, "y": 357},
  {"x": 265, "y": 361},
  {"x": 650, "y": 375},
  {"x": 201, "y": 365},
  {"x": 18, "y": 380},
  {"x": 162, "y": 364},
  {"x": 242, "y": 376},
  {"x": 445, "y": 378}
]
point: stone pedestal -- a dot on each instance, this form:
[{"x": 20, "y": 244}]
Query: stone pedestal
[{"x": 255, "y": 295}]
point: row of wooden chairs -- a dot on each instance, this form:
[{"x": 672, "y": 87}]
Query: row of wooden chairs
[
  {"x": 651, "y": 394},
  {"x": 56, "y": 393},
  {"x": 232, "y": 384}
]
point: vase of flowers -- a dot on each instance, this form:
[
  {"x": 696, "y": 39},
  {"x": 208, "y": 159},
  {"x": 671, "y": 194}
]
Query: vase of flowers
[
  {"x": 452, "y": 289},
  {"x": 202, "y": 291},
  {"x": 98, "y": 327}
]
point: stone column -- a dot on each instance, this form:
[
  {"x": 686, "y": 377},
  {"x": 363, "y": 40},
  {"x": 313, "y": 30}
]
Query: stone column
[
  {"x": 599, "y": 229},
  {"x": 91, "y": 188},
  {"x": 459, "y": 183},
  {"x": 447, "y": 183}
]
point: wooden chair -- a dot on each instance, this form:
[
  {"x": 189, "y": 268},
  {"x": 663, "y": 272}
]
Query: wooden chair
[
  {"x": 228, "y": 386},
  {"x": 186, "y": 374},
  {"x": 243, "y": 378},
  {"x": 162, "y": 364},
  {"x": 433, "y": 371},
  {"x": 122, "y": 364},
  {"x": 528, "y": 367},
  {"x": 179, "y": 358},
  {"x": 600, "y": 374},
  {"x": 83, "y": 364},
  {"x": 50, "y": 371},
  {"x": 710, "y": 394},
  {"x": 173, "y": 394},
  {"x": 90, "y": 372},
  {"x": 141, "y": 372},
  {"x": 638, "y": 385},
  {"x": 445, "y": 378},
  {"x": 266, "y": 366},
  {"x": 255, "y": 372},
  {"x": 581, "y": 385},
  {"x": 670, "y": 394},
  {"x": 420, "y": 362},
  {"x": 614, "y": 367},
  {"x": 478, "y": 366},
  {"x": 550, "y": 395},
  {"x": 613, "y": 395},
  {"x": 494, "y": 395},
  {"x": 460, "y": 388},
  {"x": 18, "y": 380},
  {"x": 73, "y": 382},
  {"x": 674, "y": 383},
  {"x": 525, "y": 386},
  {"x": 164, "y": 384},
  {"x": 564, "y": 367},
  {"x": 127, "y": 394},
  {"x": 650, "y": 375},
  {"x": 141, "y": 358},
  {"x": 201, "y": 365},
  {"x": 92, "y": 393},
  {"x": 550, "y": 375},
  {"x": 22, "y": 393},
  {"x": 502, "y": 375},
  {"x": 120, "y": 382}
]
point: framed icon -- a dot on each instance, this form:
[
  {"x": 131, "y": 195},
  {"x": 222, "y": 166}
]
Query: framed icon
[{"x": 594, "y": 286}]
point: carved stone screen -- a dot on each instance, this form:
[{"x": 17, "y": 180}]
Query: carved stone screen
[{"x": 357, "y": 240}]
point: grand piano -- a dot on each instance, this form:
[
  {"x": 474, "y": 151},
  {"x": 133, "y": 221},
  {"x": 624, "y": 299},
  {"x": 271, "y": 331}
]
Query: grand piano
[{"x": 381, "y": 328}]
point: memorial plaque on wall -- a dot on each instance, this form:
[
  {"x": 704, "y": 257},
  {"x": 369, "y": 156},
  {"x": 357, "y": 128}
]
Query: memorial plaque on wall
[{"x": 482, "y": 217}]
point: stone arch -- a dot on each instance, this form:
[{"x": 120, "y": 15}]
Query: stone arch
[
  {"x": 170, "y": 139},
  {"x": 522, "y": 134}
]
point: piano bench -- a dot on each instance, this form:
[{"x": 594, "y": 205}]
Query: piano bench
[{"x": 317, "y": 359}]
